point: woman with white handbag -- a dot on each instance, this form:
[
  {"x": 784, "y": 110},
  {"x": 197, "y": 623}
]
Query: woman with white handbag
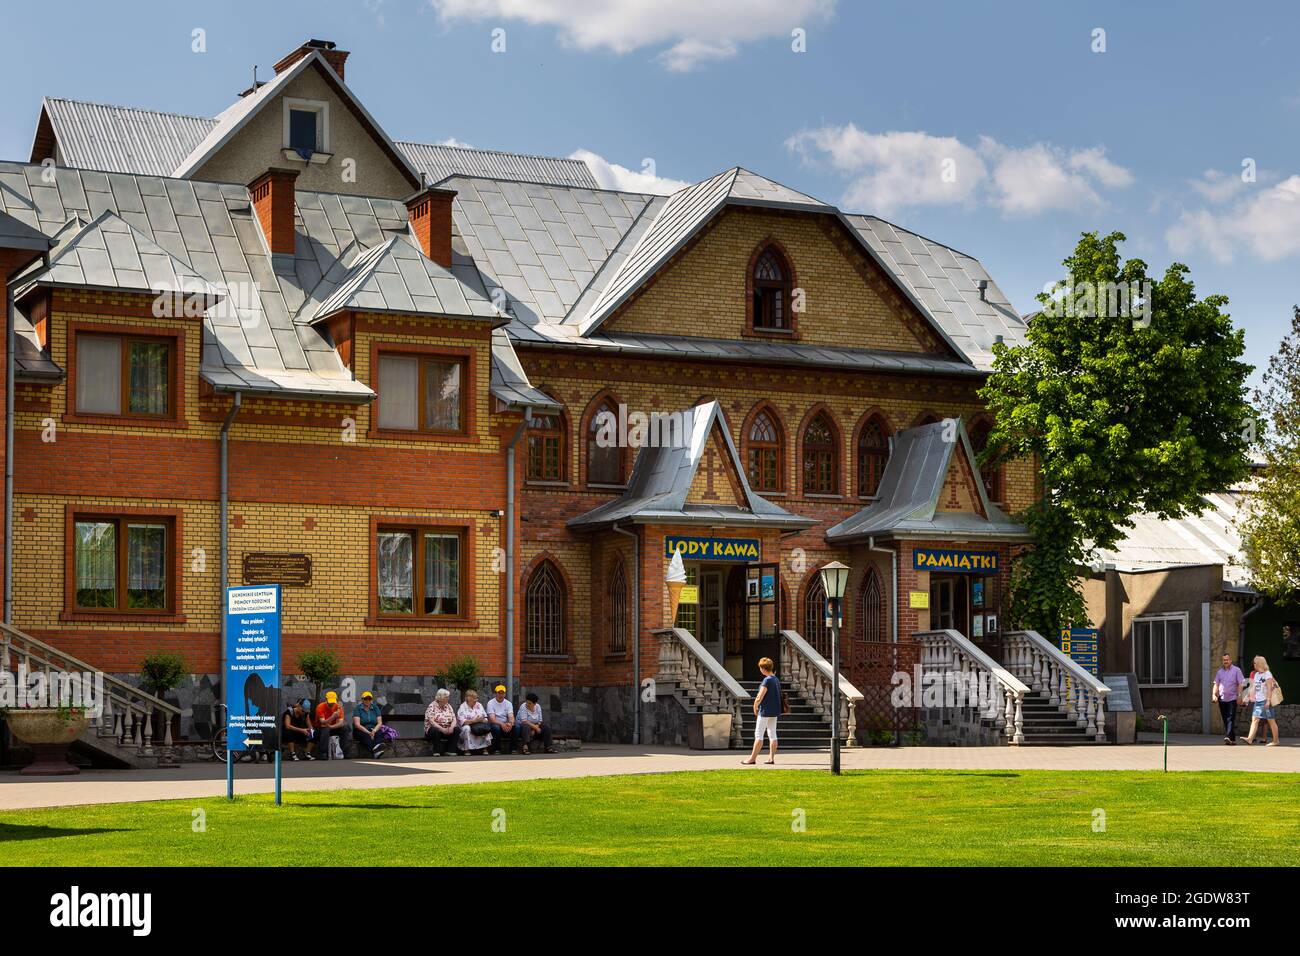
[{"x": 1265, "y": 694}]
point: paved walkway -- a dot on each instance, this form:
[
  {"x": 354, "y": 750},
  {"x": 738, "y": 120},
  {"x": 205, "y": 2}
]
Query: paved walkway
[{"x": 193, "y": 781}]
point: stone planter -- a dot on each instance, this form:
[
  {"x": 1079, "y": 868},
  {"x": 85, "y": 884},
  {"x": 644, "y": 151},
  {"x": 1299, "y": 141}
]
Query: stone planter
[{"x": 49, "y": 732}]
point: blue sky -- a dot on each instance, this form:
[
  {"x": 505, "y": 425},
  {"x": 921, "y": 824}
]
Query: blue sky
[{"x": 1044, "y": 137}]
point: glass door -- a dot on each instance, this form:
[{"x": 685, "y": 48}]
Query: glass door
[{"x": 762, "y": 617}]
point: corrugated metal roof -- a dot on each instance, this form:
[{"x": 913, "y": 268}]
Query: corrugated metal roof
[
  {"x": 121, "y": 139},
  {"x": 661, "y": 480},
  {"x": 945, "y": 284},
  {"x": 439, "y": 162},
  {"x": 1156, "y": 543},
  {"x": 908, "y": 498}
]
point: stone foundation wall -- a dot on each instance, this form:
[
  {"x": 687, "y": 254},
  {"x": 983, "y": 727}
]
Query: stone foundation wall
[{"x": 960, "y": 727}]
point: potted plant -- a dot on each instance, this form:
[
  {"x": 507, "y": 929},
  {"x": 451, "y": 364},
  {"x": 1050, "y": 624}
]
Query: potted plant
[
  {"x": 322, "y": 667},
  {"x": 462, "y": 674},
  {"x": 49, "y": 731},
  {"x": 160, "y": 673}
]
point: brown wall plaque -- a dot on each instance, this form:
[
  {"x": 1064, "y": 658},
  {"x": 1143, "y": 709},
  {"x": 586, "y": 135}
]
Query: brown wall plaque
[{"x": 272, "y": 567}]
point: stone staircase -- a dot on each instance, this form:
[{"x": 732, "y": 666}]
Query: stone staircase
[
  {"x": 1048, "y": 724},
  {"x": 801, "y": 729}
]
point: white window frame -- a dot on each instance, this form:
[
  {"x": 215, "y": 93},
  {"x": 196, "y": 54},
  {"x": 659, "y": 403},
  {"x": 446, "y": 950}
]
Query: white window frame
[
  {"x": 322, "y": 110},
  {"x": 1182, "y": 616}
]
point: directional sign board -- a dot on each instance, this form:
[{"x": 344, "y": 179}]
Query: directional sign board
[
  {"x": 252, "y": 675},
  {"x": 1080, "y": 644}
]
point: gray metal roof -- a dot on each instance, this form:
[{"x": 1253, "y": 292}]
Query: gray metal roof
[
  {"x": 439, "y": 162},
  {"x": 907, "y": 503},
  {"x": 31, "y": 364},
  {"x": 108, "y": 254},
  {"x": 394, "y": 276},
  {"x": 1155, "y": 543},
  {"x": 509, "y": 381},
  {"x": 542, "y": 244},
  {"x": 748, "y": 350},
  {"x": 945, "y": 284},
  {"x": 122, "y": 139},
  {"x": 251, "y": 341},
  {"x": 662, "y": 476},
  {"x": 16, "y": 234}
]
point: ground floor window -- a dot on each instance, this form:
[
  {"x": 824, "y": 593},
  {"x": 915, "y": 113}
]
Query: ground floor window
[
  {"x": 618, "y": 611},
  {"x": 544, "y": 612},
  {"x": 419, "y": 572},
  {"x": 120, "y": 563},
  {"x": 1160, "y": 650},
  {"x": 815, "y": 631}
]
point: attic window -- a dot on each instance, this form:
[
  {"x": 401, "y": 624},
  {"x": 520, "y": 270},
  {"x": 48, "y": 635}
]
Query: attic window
[
  {"x": 306, "y": 127},
  {"x": 770, "y": 284}
]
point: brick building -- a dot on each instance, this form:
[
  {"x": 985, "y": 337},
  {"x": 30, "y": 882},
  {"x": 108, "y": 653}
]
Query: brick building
[{"x": 406, "y": 350}]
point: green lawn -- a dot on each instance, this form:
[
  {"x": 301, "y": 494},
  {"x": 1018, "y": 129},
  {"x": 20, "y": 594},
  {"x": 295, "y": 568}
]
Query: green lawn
[{"x": 710, "y": 818}]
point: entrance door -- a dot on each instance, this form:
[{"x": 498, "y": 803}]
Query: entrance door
[
  {"x": 762, "y": 616},
  {"x": 941, "y": 603},
  {"x": 711, "y": 630}
]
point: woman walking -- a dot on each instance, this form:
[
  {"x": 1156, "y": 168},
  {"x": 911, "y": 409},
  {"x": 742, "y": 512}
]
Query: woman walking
[
  {"x": 767, "y": 708},
  {"x": 1265, "y": 695}
]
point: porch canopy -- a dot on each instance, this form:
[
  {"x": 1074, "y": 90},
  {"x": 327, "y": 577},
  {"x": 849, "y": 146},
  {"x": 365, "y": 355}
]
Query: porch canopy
[
  {"x": 931, "y": 489},
  {"x": 668, "y": 486}
]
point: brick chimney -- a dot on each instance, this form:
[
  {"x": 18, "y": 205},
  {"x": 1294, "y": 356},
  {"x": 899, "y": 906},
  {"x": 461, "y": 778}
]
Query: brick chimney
[
  {"x": 430, "y": 212},
  {"x": 334, "y": 57},
  {"x": 273, "y": 200}
]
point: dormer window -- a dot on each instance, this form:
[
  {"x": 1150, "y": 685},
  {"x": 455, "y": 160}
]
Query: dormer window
[
  {"x": 306, "y": 129},
  {"x": 770, "y": 284}
]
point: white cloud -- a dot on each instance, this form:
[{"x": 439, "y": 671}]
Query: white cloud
[
  {"x": 613, "y": 176},
  {"x": 694, "y": 31},
  {"x": 453, "y": 141},
  {"x": 894, "y": 170},
  {"x": 1266, "y": 224}
]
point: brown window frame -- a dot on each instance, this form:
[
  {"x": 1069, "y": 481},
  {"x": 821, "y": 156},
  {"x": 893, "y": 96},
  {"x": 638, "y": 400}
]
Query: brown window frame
[
  {"x": 620, "y": 618},
  {"x": 552, "y": 570},
  {"x": 170, "y": 518},
  {"x": 759, "y": 291},
  {"x": 125, "y": 336},
  {"x": 418, "y": 531},
  {"x": 424, "y": 355},
  {"x": 878, "y": 454},
  {"x": 775, "y": 447},
  {"x": 827, "y": 454},
  {"x": 607, "y": 403},
  {"x": 534, "y": 434}
]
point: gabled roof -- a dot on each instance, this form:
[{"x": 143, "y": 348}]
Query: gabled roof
[
  {"x": 119, "y": 139},
  {"x": 945, "y": 285},
  {"x": 238, "y": 115},
  {"x": 394, "y": 276},
  {"x": 907, "y": 504},
  {"x": 678, "y": 220},
  {"x": 438, "y": 162},
  {"x": 16, "y": 234},
  {"x": 107, "y": 254},
  {"x": 510, "y": 383},
  {"x": 662, "y": 476}
]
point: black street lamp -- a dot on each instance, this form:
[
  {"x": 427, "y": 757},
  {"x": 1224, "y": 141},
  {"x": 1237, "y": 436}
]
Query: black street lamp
[{"x": 835, "y": 577}]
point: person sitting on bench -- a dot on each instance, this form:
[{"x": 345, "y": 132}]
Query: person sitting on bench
[
  {"x": 440, "y": 722},
  {"x": 296, "y": 730},
  {"x": 329, "y": 723},
  {"x": 366, "y": 721},
  {"x": 501, "y": 715},
  {"x": 531, "y": 724}
]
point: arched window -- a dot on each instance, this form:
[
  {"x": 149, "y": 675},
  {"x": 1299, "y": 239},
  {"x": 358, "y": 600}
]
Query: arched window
[
  {"x": 871, "y": 607},
  {"x": 618, "y": 616},
  {"x": 771, "y": 289},
  {"x": 815, "y": 631},
  {"x": 544, "y": 612},
  {"x": 873, "y": 454},
  {"x": 604, "y": 456},
  {"x": 545, "y": 457},
  {"x": 764, "y": 444},
  {"x": 821, "y": 460},
  {"x": 929, "y": 418},
  {"x": 990, "y": 474}
]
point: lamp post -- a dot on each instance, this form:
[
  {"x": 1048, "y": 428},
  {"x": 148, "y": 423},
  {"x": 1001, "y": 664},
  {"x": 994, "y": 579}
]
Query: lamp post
[{"x": 835, "y": 576}]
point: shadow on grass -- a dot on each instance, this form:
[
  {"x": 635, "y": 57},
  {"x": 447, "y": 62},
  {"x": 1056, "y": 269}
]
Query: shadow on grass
[
  {"x": 361, "y": 806},
  {"x": 14, "y": 831}
]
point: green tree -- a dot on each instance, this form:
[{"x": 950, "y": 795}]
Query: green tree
[
  {"x": 1130, "y": 395},
  {"x": 321, "y": 666},
  {"x": 1270, "y": 525}
]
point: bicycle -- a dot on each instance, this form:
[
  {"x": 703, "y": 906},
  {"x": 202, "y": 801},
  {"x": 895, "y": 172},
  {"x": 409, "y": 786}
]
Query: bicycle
[{"x": 219, "y": 739}]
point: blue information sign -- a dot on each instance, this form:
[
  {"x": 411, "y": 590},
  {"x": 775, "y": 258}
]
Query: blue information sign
[
  {"x": 962, "y": 562},
  {"x": 1080, "y": 644},
  {"x": 252, "y": 675}
]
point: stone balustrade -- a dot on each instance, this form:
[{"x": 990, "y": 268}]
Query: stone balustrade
[
  {"x": 961, "y": 663},
  {"x": 1043, "y": 666},
  {"x": 812, "y": 677}
]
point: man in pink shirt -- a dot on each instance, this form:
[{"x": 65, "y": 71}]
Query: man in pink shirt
[{"x": 1228, "y": 680}]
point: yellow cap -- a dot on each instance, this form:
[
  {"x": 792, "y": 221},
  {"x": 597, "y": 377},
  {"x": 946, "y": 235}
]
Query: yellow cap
[
  {"x": 332, "y": 698},
  {"x": 367, "y": 694},
  {"x": 500, "y": 688}
]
